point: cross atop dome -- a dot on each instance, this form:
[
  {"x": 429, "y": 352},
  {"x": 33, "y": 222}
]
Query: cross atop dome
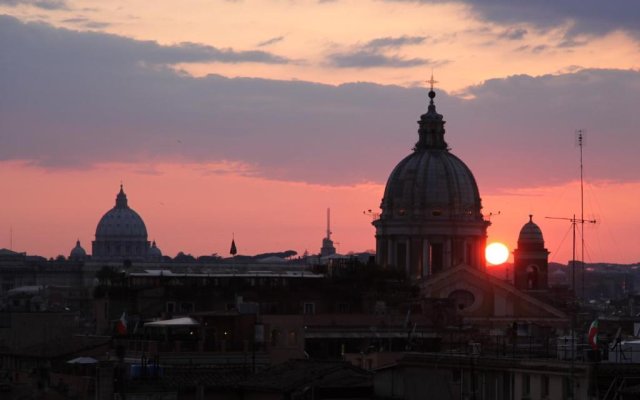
[{"x": 431, "y": 82}]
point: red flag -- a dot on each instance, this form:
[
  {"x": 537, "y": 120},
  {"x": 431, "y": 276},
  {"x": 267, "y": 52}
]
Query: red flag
[
  {"x": 233, "y": 250},
  {"x": 121, "y": 325},
  {"x": 593, "y": 335}
]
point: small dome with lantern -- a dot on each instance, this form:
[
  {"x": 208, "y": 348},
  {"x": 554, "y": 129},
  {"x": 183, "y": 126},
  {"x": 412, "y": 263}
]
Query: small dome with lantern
[{"x": 77, "y": 253}]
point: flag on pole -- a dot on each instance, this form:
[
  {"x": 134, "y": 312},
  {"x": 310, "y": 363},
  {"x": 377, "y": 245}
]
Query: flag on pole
[
  {"x": 407, "y": 319},
  {"x": 121, "y": 325},
  {"x": 593, "y": 335},
  {"x": 233, "y": 250}
]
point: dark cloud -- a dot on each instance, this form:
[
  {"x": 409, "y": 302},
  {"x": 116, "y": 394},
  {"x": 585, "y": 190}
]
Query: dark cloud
[
  {"x": 271, "y": 41},
  {"x": 569, "y": 43},
  {"x": 394, "y": 42},
  {"x": 116, "y": 50},
  {"x": 86, "y": 23},
  {"x": 96, "y": 25},
  {"x": 539, "y": 48},
  {"x": 371, "y": 54},
  {"x": 372, "y": 59},
  {"x": 513, "y": 34},
  {"x": 592, "y": 17},
  {"x": 526, "y": 125},
  {"x": 72, "y": 99},
  {"x": 43, "y": 4}
]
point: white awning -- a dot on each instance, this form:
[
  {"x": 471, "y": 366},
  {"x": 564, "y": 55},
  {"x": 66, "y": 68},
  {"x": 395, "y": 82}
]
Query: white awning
[
  {"x": 83, "y": 360},
  {"x": 185, "y": 321}
]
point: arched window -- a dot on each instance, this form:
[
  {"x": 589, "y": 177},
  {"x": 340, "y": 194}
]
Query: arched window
[
  {"x": 532, "y": 277},
  {"x": 275, "y": 337}
]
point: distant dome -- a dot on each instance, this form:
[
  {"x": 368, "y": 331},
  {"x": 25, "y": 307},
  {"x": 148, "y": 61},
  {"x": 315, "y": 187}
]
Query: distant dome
[
  {"x": 121, "y": 221},
  {"x": 77, "y": 253},
  {"x": 121, "y": 234},
  {"x": 154, "y": 251},
  {"x": 530, "y": 234}
]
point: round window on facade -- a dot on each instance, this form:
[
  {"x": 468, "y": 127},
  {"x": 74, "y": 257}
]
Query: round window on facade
[{"x": 462, "y": 298}]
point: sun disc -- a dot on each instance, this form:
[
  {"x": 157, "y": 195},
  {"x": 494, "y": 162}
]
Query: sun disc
[{"x": 496, "y": 253}]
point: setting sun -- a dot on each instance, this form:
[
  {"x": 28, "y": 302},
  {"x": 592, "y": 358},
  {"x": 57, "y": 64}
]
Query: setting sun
[{"x": 496, "y": 253}]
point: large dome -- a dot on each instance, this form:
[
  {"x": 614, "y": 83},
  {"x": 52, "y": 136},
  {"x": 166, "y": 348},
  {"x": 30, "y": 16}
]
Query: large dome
[
  {"x": 121, "y": 233},
  {"x": 431, "y": 210},
  {"x": 432, "y": 184},
  {"x": 121, "y": 221}
]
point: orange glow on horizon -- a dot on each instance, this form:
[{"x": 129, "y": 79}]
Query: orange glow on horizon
[{"x": 187, "y": 208}]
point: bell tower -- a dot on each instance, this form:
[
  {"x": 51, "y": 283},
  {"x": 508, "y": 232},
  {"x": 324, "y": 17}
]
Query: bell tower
[{"x": 531, "y": 259}]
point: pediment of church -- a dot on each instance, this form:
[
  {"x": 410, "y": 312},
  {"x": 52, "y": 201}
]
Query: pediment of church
[{"x": 480, "y": 296}]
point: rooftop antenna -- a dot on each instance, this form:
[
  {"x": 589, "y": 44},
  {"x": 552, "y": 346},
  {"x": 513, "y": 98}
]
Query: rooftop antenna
[
  {"x": 328, "y": 223},
  {"x": 580, "y": 141},
  {"x": 574, "y": 221}
]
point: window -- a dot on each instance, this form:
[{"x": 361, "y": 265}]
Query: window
[
  {"x": 544, "y": 386},
  {"x": 186, "y": 307},
  {"x": 567, "y": 389},
  {"x": 343, "y": 308},
  {"x": 293, "y": 338},
  {"x": 526, "y": 385},
  {"x": 456, "y": 376},
  {"x": 171, "y": 307},
  {"x": 401, "y": 255},
  {"x": 532, "y": 277},
  {"x": 462, "y": 298},
  {"x": 275, "y": 337},
  {"x": 309, "y": 308},
  {"x": 436, "y": 259}
]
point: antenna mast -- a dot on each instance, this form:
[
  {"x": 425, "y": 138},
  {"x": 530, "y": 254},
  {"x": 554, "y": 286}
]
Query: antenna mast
[
  {"x": 580, "y": 133},
  {"x": 328, "y": 223}
]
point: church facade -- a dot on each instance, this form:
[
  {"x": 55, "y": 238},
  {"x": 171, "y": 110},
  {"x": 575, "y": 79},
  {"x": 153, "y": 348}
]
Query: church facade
[{"x": 432, "y": 229}]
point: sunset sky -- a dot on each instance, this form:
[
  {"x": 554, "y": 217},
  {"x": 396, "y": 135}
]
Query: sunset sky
[{"x": 251, "y": 117}]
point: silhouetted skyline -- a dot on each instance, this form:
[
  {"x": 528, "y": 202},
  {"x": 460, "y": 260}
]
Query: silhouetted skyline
[{"x": 279, "y": 130}]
